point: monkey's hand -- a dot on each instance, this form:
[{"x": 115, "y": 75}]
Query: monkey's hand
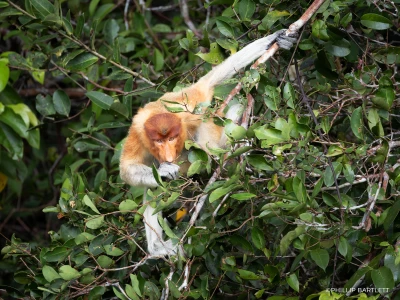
[
  {"x": 168, "y": 171},
  {"x": 286, "y": 41}
]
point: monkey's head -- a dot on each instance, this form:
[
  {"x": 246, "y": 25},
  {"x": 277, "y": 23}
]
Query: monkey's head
[{"x": 166, "y": 136}]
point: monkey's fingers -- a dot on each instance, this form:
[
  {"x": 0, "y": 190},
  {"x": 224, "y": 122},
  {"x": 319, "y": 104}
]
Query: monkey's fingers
[
  {"x": 169, "y": 171},
  {"x": 287, "y": 41}
]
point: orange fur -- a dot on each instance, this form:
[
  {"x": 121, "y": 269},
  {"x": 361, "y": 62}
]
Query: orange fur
[{"x": 154, "y": 122}]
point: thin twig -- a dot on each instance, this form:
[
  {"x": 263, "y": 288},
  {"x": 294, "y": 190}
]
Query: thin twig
[
  {"x": 186, "y": 18},
  {"x": 126, "y": 10}
]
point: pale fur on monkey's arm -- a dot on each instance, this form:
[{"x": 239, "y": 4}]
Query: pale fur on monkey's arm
[
  {"x": 245, "y": 56},
  {"x": 136, "y": 174}
]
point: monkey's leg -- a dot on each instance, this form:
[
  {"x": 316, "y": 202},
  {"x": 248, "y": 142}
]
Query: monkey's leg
[{"x": 154, "y": 233}]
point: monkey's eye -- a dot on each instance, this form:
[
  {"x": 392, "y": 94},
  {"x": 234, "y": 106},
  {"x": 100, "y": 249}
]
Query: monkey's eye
[
  {"x": 159, "y": 141},
  {"x": 171, "y": 139}
]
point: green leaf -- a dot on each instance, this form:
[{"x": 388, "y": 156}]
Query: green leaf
[
  {"x": 306, "y": 44},
  {"x": 111, "y": 29},
  {"x": 320, "y": 257},
  {"x": 221, "y": 191},
  {"x": 101, "y": 177},
  {"x": 119, "y": 294},
  {"x": 4, "y": 75},
  {"x": 3, "y": 4},
  {"x": 356, "y": 123},
  {"x": 95, "y": 222},
  {"x": 392, "y": 215},
  {"x": 130, "y": 292},
  {"x": 104, "y": 261},
  {"x": 163, "y": 28},
  {"x": 195, "y": 168},
  {"x": 293, "y": 282},
  {"x": 271, "y": 136},
  {"x": 234, "y": 131},
  {"x": 61, "y": 102},
  {"x": 96, "y": 293},
  {"x": 273, "y": 16},
  {"x": 87, "y": 145},
  {"x": 299, "y": 189},
  {"x": 390, "y": 262},
  {"x": 348, "y": 173},
  {"x": 57, "y": 254},
  {"x": 248, "y": 275},
  {"x": 50, "y": 274},
  {"x": 43, "y": 7},
  {"x": 329, "y": 178},
  {"x": 259, "y": 162},
  {"x": 383, "y": 279},
  {"x": 289, "y": 95},
  {"x": 384, "y": 97},
  {"x": 92, "y": 6},
  {"x": 225, "y": 29},
  {"x": 10, "y": 11},
  {"x": 334, "y": 150},
  {"x": 15, "y": 121},
  {"x": 243, "y": 196},
  {"x": 88, "y": 202},
  {"x": 102, "y": 100},
  {"x": 50, "y": 209},
  {"x": 67, "y": 26},
  {"x": 113, "y": 251},
  {"x": 215, "y": 55},
  {"x": 127, "y": 206},
  {"x": 83, "y": 237},
  {"x": 103, "y": 11},
  {"x": 246, "y": 9},
  {"x": 135, "y": 284},
  {"x": 339, "y": 48},
  {"x": 45, "y": 106},
  {"x": 375, "y": 21},
  {"x": 81, "y": 62},
  {"x": 289, "y": 237},
  {"x": 257, "y": 236},
  {"x": 166, "y": 228},
  {"x": 79, "y": 25},
  {"x": 346, "y": 20},
  {"x": 343, "y": 246},
  {"x": 228, "y": 44},
  {"x": 272, "y": 97},
  {"x": 34, "y": 138},
  {"x": 38, "y": 75},
  {"x": 158, "y": 60},
  {"x": 319, "y": 30},
  {"x": 68, "y": 273}
]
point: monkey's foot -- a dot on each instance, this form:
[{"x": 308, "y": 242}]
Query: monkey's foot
[{"x": 162, "y": 248}]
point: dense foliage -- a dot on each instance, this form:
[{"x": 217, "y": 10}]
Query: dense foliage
[{"x": 305, "y": 200}]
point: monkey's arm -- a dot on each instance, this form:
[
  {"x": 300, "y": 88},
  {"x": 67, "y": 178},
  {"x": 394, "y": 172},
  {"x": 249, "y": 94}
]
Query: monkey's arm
[{"x": 244, "y": 57}]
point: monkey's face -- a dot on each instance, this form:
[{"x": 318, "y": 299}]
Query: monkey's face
[
  {"x": 166, "y": 150},
  {"x": 166, "y": 135}
]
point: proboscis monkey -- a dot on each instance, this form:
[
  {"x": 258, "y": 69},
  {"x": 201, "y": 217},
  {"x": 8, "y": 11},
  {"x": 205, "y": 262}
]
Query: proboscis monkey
[{"x": 158, "y": 135}]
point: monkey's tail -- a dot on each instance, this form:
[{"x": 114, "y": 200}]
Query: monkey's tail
[{"x": 237, "y": 61}]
